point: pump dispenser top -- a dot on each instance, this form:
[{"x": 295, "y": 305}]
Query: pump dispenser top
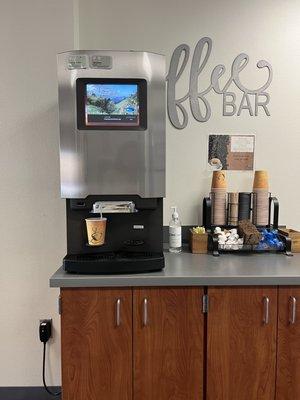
[{"x": 174, "y": 213}]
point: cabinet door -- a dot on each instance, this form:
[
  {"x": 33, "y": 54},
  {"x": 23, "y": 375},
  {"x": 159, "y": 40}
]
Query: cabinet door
[
  {"x": 241, "y": 352},
  {"x": 288, "y": 353},
  {"x": 168, "y": 344},
  {"x": 96, "y": 344}
]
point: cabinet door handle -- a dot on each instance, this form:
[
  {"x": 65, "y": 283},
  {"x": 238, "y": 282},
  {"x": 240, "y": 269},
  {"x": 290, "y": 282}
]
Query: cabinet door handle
[
  {"x": 293, "y": 308},
  {"x": 145, "y": 312},
  {"x": 266, "y": 310},
  {"x": 118, "y": 312}
]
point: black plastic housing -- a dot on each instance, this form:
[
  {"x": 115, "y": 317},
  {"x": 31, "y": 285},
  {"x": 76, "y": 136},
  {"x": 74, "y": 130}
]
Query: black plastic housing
[{"x": 133, "y": 241}]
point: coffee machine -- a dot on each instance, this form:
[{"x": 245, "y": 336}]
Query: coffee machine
[{"x": 112, "y": 158}]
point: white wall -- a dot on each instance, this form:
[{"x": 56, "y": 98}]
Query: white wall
[
  {"x": 32, "y": 215},
  {"x": 266, "y": 29}
]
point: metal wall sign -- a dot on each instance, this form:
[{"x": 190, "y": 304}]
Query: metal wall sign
[{"x": 252, "y": 100}]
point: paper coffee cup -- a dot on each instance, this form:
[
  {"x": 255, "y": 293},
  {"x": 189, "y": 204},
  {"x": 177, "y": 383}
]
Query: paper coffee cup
[
  {"x": 96, "y": 228},
  {"x": 219, "y": 180},
  {"x": 261, "y": 180}
]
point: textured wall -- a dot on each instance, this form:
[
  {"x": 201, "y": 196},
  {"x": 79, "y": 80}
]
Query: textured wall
[
  {"x": 32, "y": 215},
  {"x": 264, "y": 30},
  {"x": 32, "y": 218}
]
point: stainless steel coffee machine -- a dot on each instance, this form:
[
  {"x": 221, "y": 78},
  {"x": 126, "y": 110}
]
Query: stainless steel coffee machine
[{"x": 112, "y": 157}]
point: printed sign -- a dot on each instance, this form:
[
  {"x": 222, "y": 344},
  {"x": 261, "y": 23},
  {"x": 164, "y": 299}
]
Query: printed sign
[{"x": 231, "y": 152}]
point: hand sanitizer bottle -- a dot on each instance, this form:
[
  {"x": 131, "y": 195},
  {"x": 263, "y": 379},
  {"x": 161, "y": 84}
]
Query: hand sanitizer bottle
[{"x": 175, "y": 232}]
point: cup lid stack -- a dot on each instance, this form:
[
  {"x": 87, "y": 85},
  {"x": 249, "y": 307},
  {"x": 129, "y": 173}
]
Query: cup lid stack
[
  {"x": 244, "y": 206},
  {"x": 233, "y": 208}
]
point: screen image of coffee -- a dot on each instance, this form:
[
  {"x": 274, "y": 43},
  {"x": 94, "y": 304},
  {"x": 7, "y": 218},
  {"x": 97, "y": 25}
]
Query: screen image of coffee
[{"x": 112, "y": 104}]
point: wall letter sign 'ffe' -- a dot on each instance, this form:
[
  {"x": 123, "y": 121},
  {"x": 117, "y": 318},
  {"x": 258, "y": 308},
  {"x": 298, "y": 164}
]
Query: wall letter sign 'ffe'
[{"x": 177, "y": 112}]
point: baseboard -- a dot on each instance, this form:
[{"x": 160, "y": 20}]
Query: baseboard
[{"x": 27, "y": 393}]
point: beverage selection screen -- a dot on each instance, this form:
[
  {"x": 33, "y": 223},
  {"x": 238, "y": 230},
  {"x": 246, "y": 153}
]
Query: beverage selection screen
[{"x": 112, "y": 104}]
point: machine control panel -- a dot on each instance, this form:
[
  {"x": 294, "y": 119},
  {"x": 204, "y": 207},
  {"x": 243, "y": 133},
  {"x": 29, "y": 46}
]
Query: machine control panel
[
  {"x": 98, "y": 62},
  {"x": 82, "y": 61},
  {"x": 79, "y": 61}
]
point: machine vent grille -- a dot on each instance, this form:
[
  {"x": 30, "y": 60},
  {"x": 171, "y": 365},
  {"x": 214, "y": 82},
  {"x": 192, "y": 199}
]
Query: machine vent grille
[{"x": 116, "y": 256}]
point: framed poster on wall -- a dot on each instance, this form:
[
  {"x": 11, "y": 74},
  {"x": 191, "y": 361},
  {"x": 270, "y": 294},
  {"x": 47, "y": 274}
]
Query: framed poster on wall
[{"x": 231, "y": 152}]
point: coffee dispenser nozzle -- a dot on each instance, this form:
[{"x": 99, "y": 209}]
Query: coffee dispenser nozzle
[{"x": 106, "y": 207}]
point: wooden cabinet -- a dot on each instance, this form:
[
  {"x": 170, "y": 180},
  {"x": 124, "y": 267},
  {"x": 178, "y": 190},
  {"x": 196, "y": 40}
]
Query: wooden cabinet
[
  {"x": 288, "y": 363},
  {"x": 241, "y": 343},
  {"x": 157, "y": 344},
  {"x": 96, "y": 344},
  {"x": 102, "y": 333},
  {"x": 168, "y": 344}
]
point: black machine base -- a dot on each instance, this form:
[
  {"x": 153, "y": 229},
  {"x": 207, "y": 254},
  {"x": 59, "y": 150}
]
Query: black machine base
[{"x": 113, "y": 263}]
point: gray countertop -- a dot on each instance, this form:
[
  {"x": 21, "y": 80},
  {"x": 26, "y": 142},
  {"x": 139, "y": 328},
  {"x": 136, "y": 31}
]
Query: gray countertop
[{"x": 188, "y": 269}]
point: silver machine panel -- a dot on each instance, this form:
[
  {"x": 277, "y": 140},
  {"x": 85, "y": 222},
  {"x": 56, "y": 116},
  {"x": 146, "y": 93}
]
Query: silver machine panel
[{"x": 112, "y": 161}]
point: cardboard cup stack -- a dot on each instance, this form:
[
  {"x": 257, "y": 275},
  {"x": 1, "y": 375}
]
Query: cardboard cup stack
[
  {"x": 244, "y": 205},
  {"x": 233, "y": 208},
  {"x": 218, "y": 198},
  {"x": 261, "y": 180},
  {"x": 261, "y": 198}
]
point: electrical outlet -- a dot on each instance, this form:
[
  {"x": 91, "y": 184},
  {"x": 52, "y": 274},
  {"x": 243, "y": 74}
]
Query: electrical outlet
[{"x": 45, "y": 330}]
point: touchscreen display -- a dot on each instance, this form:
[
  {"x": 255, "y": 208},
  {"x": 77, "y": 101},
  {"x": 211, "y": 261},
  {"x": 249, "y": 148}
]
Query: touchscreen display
[{"x": 109, "y": 104}]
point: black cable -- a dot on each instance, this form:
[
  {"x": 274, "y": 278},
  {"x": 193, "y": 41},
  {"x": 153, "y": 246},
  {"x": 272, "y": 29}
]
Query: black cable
[{"x": 44, "y": 369}]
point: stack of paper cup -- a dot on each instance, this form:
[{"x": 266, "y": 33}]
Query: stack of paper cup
[
  {"x": 218, "y": 198},
  {"x": 261, "y": 198},
  {"x": 233, "y": 208},
  {"x": 244, "y": 206}
]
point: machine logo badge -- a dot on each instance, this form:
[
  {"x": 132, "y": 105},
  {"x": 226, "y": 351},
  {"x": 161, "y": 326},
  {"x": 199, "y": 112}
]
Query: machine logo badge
[{"x": 138, "y": 226}]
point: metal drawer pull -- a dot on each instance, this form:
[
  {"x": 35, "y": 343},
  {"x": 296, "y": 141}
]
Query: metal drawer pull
[
  {"x": 266, "y": 310},
  {"x": 145, "y": 312},
  {"x": 293, "y": 303},
  {"x": 118, "y": 312}
]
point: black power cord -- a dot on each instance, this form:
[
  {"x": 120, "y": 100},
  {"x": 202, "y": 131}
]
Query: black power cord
[
  {"x": 44, "y": 371},
  {"x": 45, "y": 329}
]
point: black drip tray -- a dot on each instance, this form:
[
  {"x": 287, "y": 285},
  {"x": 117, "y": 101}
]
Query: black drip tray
[{"x": 113, "y": 262}]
